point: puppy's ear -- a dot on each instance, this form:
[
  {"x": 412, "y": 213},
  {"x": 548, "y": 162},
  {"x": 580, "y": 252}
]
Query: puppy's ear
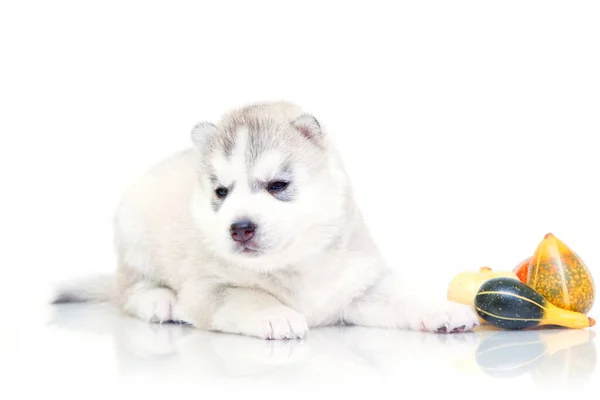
[
  {"x": 202, "y": 132},
  {"x": 308, "y": 126}
]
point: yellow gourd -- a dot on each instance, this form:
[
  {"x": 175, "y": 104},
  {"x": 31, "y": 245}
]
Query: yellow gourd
[{"x": 463, "y": 288}]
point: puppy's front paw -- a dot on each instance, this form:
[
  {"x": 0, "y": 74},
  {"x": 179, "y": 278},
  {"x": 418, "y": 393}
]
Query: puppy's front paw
[
  {"x": 448, "y": 317},
  {"x": 282, "y": 323},
  {"x": 153, "y": 305}
]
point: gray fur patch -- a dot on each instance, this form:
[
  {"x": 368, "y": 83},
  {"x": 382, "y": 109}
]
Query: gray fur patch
[
  {"x": 260, "y": 140},
  {"x": 284, "y": 174},
  {"x": 216, "y": 203},
  {"x": 228, "y": 145},
  {"x": 288, "y": 194},
  {"x": 269, "y": 124}
]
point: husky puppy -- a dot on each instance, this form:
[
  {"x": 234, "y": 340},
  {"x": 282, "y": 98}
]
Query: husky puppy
[{"x": 253, "y": 230}]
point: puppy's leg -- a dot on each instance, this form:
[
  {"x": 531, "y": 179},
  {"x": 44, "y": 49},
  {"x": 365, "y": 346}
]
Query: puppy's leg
[
  {"x": 244, "y": 311},
  {"x": 149, "y": 302},
  {"x": 388, "y": 304}
]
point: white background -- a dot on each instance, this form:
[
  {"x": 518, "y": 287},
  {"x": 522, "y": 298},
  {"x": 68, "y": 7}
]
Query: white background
[{"x": 470, "y": 129}]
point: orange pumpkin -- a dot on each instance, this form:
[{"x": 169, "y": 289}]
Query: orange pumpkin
[
  {"x": 559, "y": 274},
  {"x": 522, "y": 269}
]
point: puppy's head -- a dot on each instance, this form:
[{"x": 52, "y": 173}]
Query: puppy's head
[{"x": 270, "y": 190}]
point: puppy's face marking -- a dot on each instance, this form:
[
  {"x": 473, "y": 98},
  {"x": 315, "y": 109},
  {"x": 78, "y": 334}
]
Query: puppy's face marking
[{"x": 271, "y": 179}]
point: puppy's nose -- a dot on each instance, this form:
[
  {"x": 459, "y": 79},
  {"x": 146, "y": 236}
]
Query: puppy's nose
[{"x": 242, "y": 231}]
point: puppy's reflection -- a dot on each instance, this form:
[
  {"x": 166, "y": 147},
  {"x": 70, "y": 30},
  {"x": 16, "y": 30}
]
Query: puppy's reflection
[
  {"x": 551, "y": 356},
  {"x": 166, "y": 349},
  {"x": 179, "y": 352}
]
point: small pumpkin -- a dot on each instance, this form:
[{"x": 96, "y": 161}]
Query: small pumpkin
[
  {"x": 522, "y": 269},
  {"x": 561, "y": 276}
]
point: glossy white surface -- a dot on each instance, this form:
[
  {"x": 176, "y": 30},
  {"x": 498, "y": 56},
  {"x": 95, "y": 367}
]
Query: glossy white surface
[{"x": 75, "y": 349}]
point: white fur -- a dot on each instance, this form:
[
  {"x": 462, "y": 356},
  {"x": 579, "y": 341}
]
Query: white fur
[{"x": 318, "y": 266}]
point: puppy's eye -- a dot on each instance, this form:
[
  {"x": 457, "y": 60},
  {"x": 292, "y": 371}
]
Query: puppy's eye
[
  {"x": 221, "y": 192},
  {"x": 277, "y": 186}
]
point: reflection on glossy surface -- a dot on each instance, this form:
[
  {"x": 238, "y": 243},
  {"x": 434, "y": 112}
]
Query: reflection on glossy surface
[
  {"x": 551, "y": 356},
  {"x": 163, "y": 349},
  {"x": 89, "y": 341}
]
